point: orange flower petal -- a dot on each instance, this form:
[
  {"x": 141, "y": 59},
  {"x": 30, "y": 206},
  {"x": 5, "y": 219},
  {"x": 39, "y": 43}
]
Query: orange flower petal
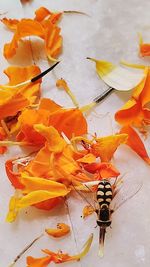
[
  {"x": 106, "y": 146},
  {"x": 88, "y": 210},
  {"x": 10, "y": 23},
  {"x": 89, "y": 158},
  {"x": 133, "y": 112},
  {"x": 12, "y": 101},
  {"x": 104, "y": 169},
  {"x": 53, "y": 40},
  {"x": 62, "y": 230},
  {"x": 135, "y": 143},
  {"x": 49, "y": 204},
  {"x": 56, "y": 143},
  {"x": 26, "y": 27},
  {"x": 43, "y": 13},
  {"x": 69, "y": 121},
  {"x": 39, "y": 262}
]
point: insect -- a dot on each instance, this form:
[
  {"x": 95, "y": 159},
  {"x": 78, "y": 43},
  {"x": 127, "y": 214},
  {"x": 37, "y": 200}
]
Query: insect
[{"x": 110, "y": 195}]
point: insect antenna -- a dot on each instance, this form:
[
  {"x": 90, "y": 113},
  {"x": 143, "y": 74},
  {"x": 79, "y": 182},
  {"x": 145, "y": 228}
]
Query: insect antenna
[{"x": 102, "y": 232}]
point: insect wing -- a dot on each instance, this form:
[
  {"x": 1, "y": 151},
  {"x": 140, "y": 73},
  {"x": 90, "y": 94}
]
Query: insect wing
[{"x": 127, "y": 190}]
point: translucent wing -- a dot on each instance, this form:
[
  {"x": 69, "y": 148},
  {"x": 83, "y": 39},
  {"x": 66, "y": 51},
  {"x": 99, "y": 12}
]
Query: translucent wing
[{"x": 127, "y": 189}]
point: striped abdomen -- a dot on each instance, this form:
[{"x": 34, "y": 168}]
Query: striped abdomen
[{"x": 104, "y": 193}]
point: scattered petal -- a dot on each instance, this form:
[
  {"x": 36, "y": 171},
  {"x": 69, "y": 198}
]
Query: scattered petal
[
  {"x": 62, "y": 230},
  {"x": 135, "y": 142},
  {"x": 88, "y": 210},
  {"x": 118, "y": 77}
]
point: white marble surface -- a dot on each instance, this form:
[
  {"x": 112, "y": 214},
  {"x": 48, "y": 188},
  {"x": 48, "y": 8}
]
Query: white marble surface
[{"x": 109, "y": 32}]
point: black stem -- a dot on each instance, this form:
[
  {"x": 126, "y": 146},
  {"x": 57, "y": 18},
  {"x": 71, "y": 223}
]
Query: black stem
[
  {"x": 44, "y": 72},
  {"x": 103, "y": 95}
]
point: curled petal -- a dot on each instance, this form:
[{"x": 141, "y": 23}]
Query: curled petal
[
  {"x": 43, "y": 13},
  {"x": 10, "y": 23},
  {"x": 26, "y": 27},
  {"x": 88, "y": 210},
  {"x": 118, "y": 77},
  {"x": 62, "y": 230},
  {"x": 53, "y": 41},
  {"x": 135, "y": 142}
]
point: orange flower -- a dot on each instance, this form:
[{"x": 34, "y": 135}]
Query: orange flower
[
  {"x": 43, "y": 26},
  {"x": 62, "y": 230},
  {"x": 58, "y": 257},
  {"x": 135, "y": 143},
  {"x": 135, "y": 111}
]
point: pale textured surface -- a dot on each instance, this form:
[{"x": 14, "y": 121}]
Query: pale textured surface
[{"x": 109, "y": 32}]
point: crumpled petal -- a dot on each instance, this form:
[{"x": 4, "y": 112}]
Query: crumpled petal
[
  {"x": 10, "y": 23},
  {"x": 135, "y": 142},
  {"x": 62, "y": 230},
  {"x": 106, "y": 146},
  {"x": 118, "y": 77},
  {"x": 87, "y": 210},
  {"x": 58, "y": 257}
]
